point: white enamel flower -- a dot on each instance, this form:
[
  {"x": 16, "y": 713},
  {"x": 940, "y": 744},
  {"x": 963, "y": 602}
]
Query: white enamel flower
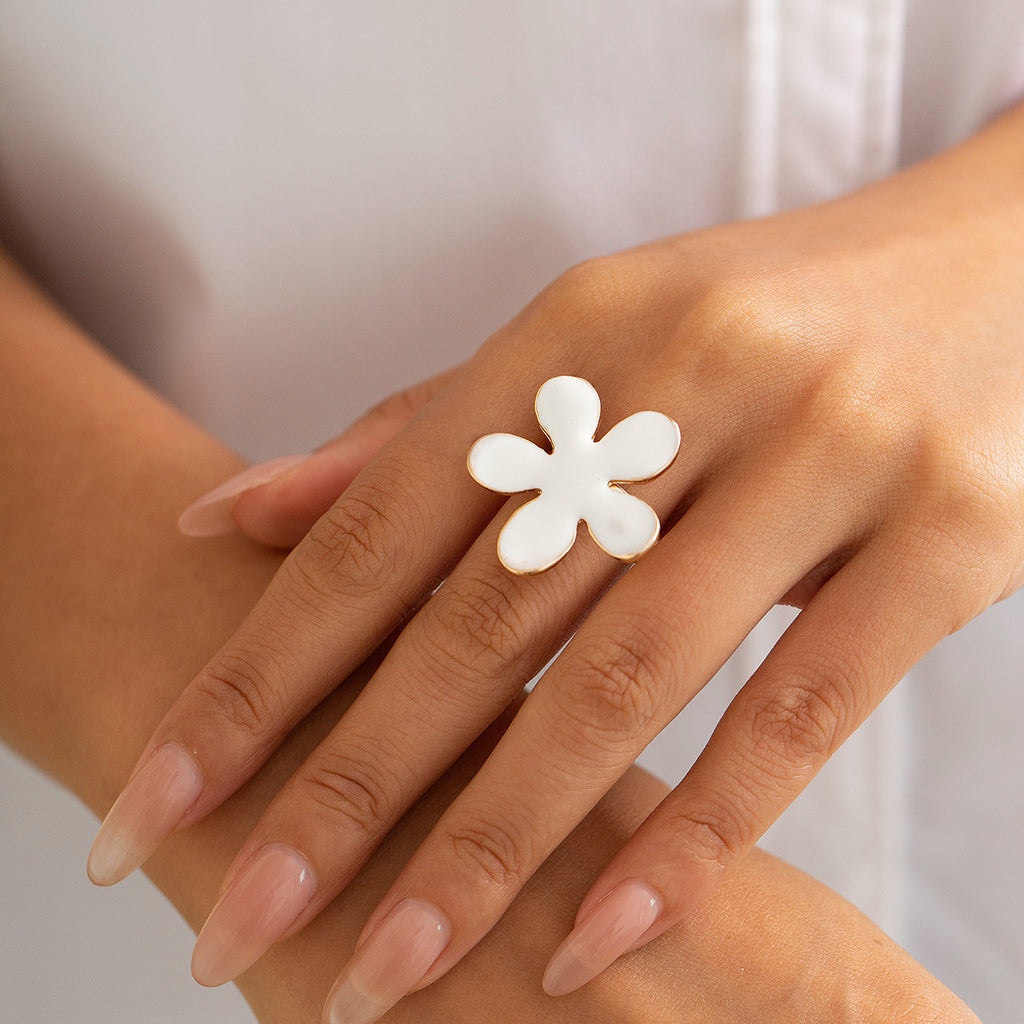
[{"x": 577, "y": 479}]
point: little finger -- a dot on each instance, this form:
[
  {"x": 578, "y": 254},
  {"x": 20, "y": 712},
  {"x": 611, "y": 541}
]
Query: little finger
[
  {"x": 856, "y": 638},
  {"x": 674, "y": 618}
]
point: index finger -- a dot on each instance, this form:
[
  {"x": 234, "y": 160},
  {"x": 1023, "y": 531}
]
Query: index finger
[
  {"x": 647, "y": 647},
  {"x": 369, "y": 561}
]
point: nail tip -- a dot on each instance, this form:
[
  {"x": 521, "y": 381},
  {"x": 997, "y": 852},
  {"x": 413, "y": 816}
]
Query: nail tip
[
  {"x": 264, "y": 899},
  {"x": 205, "y": 521},
  {"x": 100, "y": 880},
  {"x": 203, "y": 971},
  {"x": 95, "y": 876},
  {"x": 392, "y": 962},
  {"x": 604, "y": 932},
  {"x": 555, "y": 992},
  {"x": 105, "y": 881},
  {"x": 210, "y": 515},
  {"x": 105, "y": 868},
  {"x": 214, "y": 967},
  {"x": 101, "y": 883},
  {"x": 209, "y": 979},
  {"x": 346, "y": 1005},
  {"x": 147, "y": 811},
  {"x": 560, "y": 982}
]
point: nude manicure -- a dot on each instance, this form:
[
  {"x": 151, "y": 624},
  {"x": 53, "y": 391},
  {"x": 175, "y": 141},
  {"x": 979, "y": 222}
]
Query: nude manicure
[
  {"x": 396, "y": 956},
  {"x": 149, "y": 808},
  {"x": 275, "y": 885},
  {"x": 210, "y": 516},
  {"x": 612, "y": 928}
]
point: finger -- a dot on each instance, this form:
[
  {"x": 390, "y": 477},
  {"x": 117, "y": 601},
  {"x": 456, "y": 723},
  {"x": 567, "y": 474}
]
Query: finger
[
  {"x": 277, "y": 502},
  {"x": 617, "y": 683},
  {"x": 368, "y": 562},
  {"x": 454, "y": 668},
  {"x": 857, "y": 637}
]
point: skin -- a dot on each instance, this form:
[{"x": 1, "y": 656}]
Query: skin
[
  {"x": 849, "y": 380},
  {"x": 108, "y": 612}
]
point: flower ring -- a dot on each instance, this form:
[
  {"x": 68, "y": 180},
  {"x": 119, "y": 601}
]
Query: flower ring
[{"x": 576, "y": 479}]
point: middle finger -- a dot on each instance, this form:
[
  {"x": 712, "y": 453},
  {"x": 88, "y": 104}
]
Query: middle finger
[
  {"x": 643, "y": 652},
  {"x": 454, "y": 668}
]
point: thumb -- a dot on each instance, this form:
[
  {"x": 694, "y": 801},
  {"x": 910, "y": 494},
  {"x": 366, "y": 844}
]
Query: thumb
[{"x": 277, "y": 502}]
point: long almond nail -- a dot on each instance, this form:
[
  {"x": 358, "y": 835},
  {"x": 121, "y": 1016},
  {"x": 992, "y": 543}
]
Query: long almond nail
[
  {"x": 612, "y": 928},
  {"x": 396, "y": 956},
  {"x": 210, "y": 516},
  {"x": 263, "y": 901},
  {"x": 149, "y": 808}
]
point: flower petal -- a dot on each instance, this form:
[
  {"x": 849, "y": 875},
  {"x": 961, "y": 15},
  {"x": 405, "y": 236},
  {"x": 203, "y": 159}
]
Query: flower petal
[
  {"x": 568, "y": 410},
  {"x": 507, "y": 463},
  {"x": 537, "y": 536},
  {"x": 639, "y": 447},
  {"x": 622, "y": 524}
]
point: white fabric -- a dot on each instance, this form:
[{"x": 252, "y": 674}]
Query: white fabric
[
  {"x": 278, "y": 211},
  {"x": 822, "y": 100}
]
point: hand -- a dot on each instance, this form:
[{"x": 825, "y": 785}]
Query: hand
[
  {"x": 849, "y": 380},
  {"x": 98, "y": 585}
]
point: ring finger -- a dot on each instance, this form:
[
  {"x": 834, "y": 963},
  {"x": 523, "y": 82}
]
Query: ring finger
[{"x": 643, "y": 652}]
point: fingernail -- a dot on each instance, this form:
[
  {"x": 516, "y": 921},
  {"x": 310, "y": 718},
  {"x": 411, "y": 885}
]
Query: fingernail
[
  {"x": 146, "y": 812},
  {"x": 263, "y": 901},
  {"x": 612, "y": 928},
  {"x": 396, "y": 956},
  {"x": 210, "y": 516}
]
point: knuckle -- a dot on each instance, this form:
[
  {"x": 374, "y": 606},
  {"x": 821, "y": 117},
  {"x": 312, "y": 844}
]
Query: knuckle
[
  {"x": 589, "y": 282},
  {"x": 744, "y": 329},
  {"x": 858, "y": 411},
  {"x": 236, "y": 688},
  {"x": 479, "y": 624},
  {"x": 350, "y": 789},
  {"x": 306, "y": 590},
  {"x": 360, "y": 530},
  {"x": 740, "y": 322},
  {"x": 801, "y": 723},
  {"x": 492, "y": 850},
  {"x": 406, "y": 404},
  {"x": 974, "y": 491},
  {"x": 363, "y": 537},
  {"x": 399, "y": 405},
  {"x": 610, "y": 690},
  {"x": 713, "y": 836},
  {"x": 733, "y": 306},
  {"x": 964, "y": 523},
  {"x": 922, "y": 1004},
  {"x": 604, "y": 295}
]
